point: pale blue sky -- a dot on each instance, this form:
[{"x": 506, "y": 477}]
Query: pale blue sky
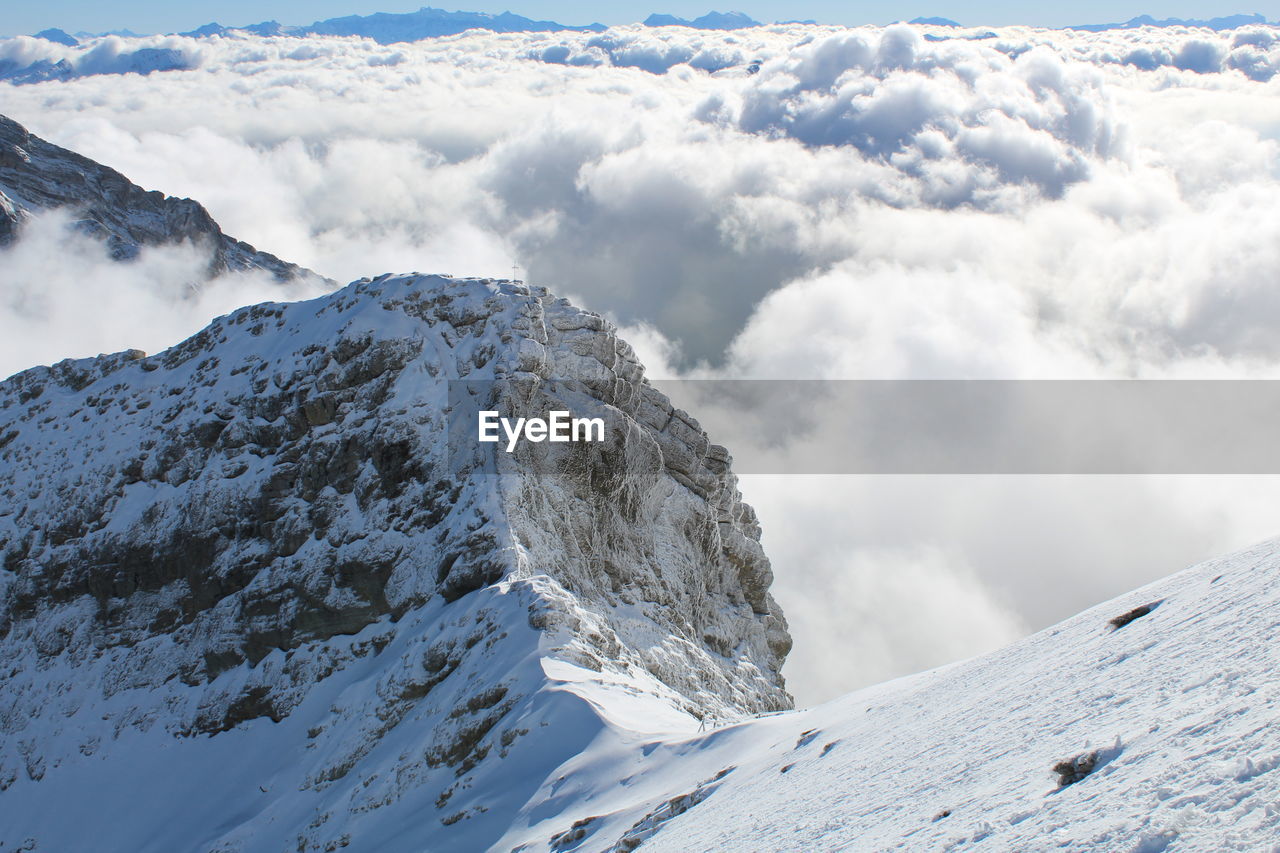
[{"x": 154, "y": 16}]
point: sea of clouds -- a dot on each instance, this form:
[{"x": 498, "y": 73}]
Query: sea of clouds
[{"x": 781, "y": 202}]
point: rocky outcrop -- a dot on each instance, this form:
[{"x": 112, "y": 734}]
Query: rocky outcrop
[
  {"x": 36, "y": 175},
  {"x": 222, "y": 534}
]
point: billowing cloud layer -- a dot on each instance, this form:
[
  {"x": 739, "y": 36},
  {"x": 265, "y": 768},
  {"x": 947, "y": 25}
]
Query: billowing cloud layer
[
  {"x": 788, "y": 201},
  {"x": 62, "y": 296},
  {"x": 880, "y": 576},
  {"x": 33, "y": 60}
]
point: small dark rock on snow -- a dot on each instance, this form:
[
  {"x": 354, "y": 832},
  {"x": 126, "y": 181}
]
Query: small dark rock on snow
[
  {"x": 1136, "y": 613},
  {"x": 1072, "y": 770}
]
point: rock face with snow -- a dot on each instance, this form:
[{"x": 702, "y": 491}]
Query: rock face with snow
[
  {"x": 265, "y": 539},
  {"x": 36, "y": 175}
]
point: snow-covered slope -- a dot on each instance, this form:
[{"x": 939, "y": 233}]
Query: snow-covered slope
[
  {"x": 249, "y": 583},
  {"x": 1174, "y": 711},
  {"x": 36, "y": 175}
]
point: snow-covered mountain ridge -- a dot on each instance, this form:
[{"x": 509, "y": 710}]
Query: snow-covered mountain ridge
[
  {"x": 258, "y": 537},
  {"x": 37, "y": 176},
  {"x": 1166, "y": 695}
]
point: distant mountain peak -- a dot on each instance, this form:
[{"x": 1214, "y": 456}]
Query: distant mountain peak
[
  {"x": 1226, "y": 22},
  {"x": 934, "y": 22},
  {"x": 58, "y": 36},
  {"x": 709, "y": 21},
  {"x": 213, "y": 28},
  {"x": 123, "y": 33},
  {"x": 395, "y": 27}
]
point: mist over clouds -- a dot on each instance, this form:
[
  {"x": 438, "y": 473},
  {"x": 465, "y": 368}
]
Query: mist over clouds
[
  {"x": 885, "y": 575},
  {"x": 62, "y": 295},
  {"x": 783, "y": 202}
]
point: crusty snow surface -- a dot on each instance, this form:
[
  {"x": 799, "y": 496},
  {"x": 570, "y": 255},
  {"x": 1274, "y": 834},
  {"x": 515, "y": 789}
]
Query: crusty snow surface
[{"x": 1180, "y": 705}]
